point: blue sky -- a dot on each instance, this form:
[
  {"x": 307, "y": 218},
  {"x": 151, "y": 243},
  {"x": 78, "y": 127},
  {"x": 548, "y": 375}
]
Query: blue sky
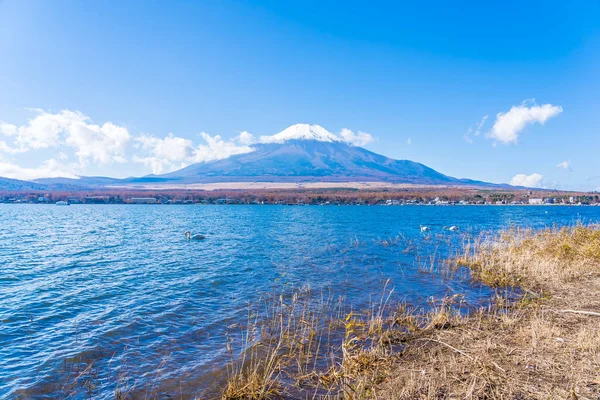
[{"x": 127, "y": 88}]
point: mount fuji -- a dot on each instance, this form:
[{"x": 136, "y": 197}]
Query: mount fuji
[
  {"x": 301, "y": 153},
  {"x": 307, "y": 153}
]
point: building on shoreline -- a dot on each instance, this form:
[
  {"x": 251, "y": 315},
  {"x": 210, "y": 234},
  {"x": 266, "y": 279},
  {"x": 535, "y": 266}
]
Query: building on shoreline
[
  {"x": 143, "y": 200},
  {"x": 96, "y": 199}
]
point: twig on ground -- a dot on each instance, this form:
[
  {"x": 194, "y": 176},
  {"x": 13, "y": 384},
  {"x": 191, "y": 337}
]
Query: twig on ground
[{"x": 581, "y": 312}]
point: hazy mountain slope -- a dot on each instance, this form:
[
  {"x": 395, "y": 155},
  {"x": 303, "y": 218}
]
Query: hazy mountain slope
[
  {"x": 83, "y": 182},
  {"x": 15, "y": 184}
]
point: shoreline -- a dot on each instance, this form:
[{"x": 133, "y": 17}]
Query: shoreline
[{"x": 544, "y": 344}]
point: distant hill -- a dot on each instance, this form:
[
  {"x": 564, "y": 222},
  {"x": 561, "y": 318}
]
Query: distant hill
[
  {"x": 54, "y": 184},
  {"x": 85, "y": 182},
  {"x": 8, "y": 184}
]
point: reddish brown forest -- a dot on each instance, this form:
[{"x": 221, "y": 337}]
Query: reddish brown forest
[{"x": 303, "y": 196}]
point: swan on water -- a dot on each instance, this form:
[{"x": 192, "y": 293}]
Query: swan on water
[
  {"x": 197, "y": 236},
  {"x": 424, "y": 228},
  {"x": 452, "y": 228}
]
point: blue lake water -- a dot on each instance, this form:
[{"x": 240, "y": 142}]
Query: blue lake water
[{"x": 120, "y": 285}]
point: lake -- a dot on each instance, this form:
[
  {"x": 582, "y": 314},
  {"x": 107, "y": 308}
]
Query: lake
[{"x": 121, "y": 285}]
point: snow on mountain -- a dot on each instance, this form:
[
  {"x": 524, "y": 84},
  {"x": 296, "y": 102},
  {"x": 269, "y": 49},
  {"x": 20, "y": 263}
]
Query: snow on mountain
[{"x": 302, "y": 132}]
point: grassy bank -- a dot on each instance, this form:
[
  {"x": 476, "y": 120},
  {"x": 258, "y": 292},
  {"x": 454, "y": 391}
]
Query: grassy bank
[{"x": 545, "y": 344}]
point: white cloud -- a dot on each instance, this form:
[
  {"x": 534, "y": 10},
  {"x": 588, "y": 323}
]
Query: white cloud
[
  {"x": 509, "y": 125},
  {"x": 44, "y": 130},
  {"x": 266, "y": 139},
  {"x": 533, "y": 180},
  {"x": 171, "y": 148},
  {"x": 166, "y": 154},
  {"x": 476, "y": 130},
  {"x": 409, "y": 141},
  {"x": 5, "y": 148},
  {"x": 101, "y": 144},
  {"x": 480, "y": 125},
  {"x": 48, "y": 169},
  {"x": 216, "y": 148},
  {"x": 564, "y": 164},
  {"x": 358, "y": 139},
  {"x": 172, "y": 152},
  {"x": 8, "y": 129},
  {"x": 246, "y": 138},
  {"x": 158, "y": 165}
]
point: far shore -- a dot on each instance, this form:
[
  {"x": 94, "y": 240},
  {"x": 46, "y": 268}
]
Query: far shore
[{"x": 302, "y": 193}]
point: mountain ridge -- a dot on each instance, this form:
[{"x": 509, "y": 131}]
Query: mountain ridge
[{"x": 299, "y": 160}]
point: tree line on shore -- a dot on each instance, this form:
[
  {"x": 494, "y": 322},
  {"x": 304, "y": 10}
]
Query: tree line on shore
[{"x": 444, "y": 195}]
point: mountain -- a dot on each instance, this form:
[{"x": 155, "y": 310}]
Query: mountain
[
  {"x": 300, "y": 153},
  {"x": 305, "y": 153},
  {"x": 308, "y": 160}
]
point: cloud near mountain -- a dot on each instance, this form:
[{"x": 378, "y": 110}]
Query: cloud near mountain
[{"x": 170, "y": 153}]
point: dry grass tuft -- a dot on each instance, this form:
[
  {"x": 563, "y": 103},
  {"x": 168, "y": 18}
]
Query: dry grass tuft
[
  {"x": 253, "y": 384},
  {"x": 529, "y": 258}
]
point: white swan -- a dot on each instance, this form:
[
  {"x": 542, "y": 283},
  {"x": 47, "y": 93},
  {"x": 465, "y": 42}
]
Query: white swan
[
  {"x": 197, "y": 236},
  {"x": 424, "y": 228},
  {"x": 453, "y": 228}
]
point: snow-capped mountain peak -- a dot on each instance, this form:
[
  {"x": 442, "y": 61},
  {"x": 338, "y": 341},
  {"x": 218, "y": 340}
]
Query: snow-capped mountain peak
[{"x": 302, "y": 132}]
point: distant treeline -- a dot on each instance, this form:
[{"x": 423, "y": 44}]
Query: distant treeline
[{"x": 302, "y": 196}]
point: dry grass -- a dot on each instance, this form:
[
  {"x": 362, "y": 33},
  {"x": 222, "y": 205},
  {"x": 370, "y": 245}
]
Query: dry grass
[
  {"x": 529, "y": 349},
  {"x": 534, "y": 259},
  {"x": 284, "y": 342},
  {"x": 526, "y": 352},
  {"x": 523, "y": 349}
]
